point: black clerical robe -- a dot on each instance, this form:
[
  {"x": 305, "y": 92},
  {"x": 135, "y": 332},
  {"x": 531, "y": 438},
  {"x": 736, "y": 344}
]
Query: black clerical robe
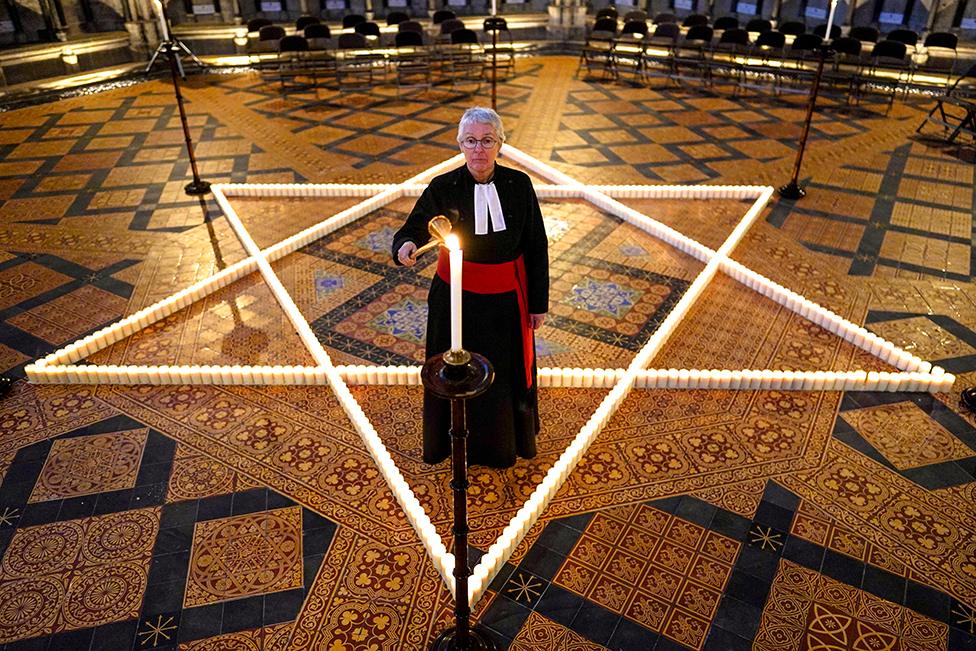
[{"x": 504, "y": 421}]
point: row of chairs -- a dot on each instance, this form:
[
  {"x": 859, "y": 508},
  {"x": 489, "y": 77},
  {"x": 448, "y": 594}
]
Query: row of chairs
[
  {"x": 349, "y": 21},
  {"x": 698, "y": 48},
  {"x": 766, "y": 61},
  {"x": 357, "y": 66}
]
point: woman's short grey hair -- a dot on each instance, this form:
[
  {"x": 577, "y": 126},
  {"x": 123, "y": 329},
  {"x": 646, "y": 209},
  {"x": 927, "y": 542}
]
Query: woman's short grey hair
[{"x": 481, "y": 115}]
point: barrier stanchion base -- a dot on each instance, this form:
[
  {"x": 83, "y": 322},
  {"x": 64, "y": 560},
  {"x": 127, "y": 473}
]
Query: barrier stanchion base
[
  {"x": 792, "y": 191},
  {"x": 478, "y": 640},
  {"x": 197, "y": 188}
]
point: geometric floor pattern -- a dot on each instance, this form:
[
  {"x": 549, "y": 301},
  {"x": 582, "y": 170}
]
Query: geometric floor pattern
[{"x": 826, "y": 508}]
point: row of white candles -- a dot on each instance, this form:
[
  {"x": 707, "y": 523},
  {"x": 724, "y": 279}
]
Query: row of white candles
[{"x": 721, "y": 379}]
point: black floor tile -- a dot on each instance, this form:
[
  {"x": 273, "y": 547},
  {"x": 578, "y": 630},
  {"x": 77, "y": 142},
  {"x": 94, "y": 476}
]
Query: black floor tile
[
  {"x": 629, "y": 636},
  {"x": 757, "y": 563},
  {"x": 114, "y": 637},
  {"x": 594, "y": 622},
  {"x": 559, "y": 605},
  {"x": 542, "y": 562},
  {"x": 886, "y": 585},
  {"x": 71, "y": 640},
  {"x": 215, "y": 507},
  {"x": 199, "y": 622},
  {"x": 776, "y": 494},
  {"x": 737, "y": 617},
  {"x": 576, "y": 522},
  {"x": 169, "y": 567},
  {"x": 39, "y": 513},
  {"x": 558, "y": 537},
  {"x": 174, "y": 539},
  {"x": 772, "y": 515},
  {"x": 695, "y": 510},
  {"x": 524, "y": 588},
  {"x": 283, "y": 606},
  {"x": 960, "y": 641},
  {"x": 163, "y": 597},
  {"x": 730, "y": 524},
  {"x": 77, "y": 507},
  {"x": 249, "y": 501},
  {"x": 113, "y": 502},
  {"x": 505, "y": 616},
  {"x": 747, "y": 588},
  {"x": 721, "y": 640},
  {"x": 843, "y": 568},
  {"x": 242, "y": 614},
  {"x": 803, "y": 552},
  {"x": 179, "y": 513},
  {"x": 927, "y": 601}
]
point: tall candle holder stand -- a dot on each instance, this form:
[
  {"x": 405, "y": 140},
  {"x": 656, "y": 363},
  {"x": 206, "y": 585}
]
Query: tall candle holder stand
[
  {"x": 459, "y": 375},
  {"x": 197, "y": 187},
  {"x": 792, "y": 190}
]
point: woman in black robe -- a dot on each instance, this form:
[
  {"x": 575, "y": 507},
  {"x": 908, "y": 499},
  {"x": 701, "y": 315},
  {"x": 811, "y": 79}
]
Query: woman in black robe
[{"x": 496, "y": 215}]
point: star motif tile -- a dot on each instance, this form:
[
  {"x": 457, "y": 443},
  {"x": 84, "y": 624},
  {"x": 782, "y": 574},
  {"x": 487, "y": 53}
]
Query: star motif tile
[{"x": 62, "y": 366}]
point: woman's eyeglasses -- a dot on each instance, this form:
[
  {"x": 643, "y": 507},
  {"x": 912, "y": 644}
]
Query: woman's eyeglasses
[{"x": 486, "y": 143}]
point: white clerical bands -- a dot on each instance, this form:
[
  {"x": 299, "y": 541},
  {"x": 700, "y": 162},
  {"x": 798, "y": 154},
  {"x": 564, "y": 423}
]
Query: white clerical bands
[{"x": 486, "y": 202}]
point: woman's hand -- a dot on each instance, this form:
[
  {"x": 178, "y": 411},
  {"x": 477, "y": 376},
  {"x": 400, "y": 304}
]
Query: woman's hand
[
  {"x": 536, "y": 320},
  {"x": 405, "y": 254}
]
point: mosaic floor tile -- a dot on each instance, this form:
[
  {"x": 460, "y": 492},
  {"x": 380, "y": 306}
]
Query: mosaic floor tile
[
  {"x": 808, "y": 610},
  {"x": 245, "y": 555},
  {"x": 267, "y": 638},
  {"x": 906, "y": 435},
  {"x": 90, "y": 464},
  {"x": 239, "y": 324},
  {"x": 657, "y": 570},
  {"x": 75, "y": 574},
  {"x": 923, "y": 338},
  {"x": 541, "y": 633},
  {"x": 196, "y": 475},
  {"x": 899, "y": 197}
]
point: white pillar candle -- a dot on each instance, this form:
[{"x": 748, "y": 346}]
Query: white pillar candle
[{"x": 456, "y": 256}]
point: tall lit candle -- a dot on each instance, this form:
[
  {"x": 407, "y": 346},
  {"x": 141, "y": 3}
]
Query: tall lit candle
[
  {"x": 454, "y": 248},
  {"x": 494, "y": 7},
  {"x": 830, "y": 18}
]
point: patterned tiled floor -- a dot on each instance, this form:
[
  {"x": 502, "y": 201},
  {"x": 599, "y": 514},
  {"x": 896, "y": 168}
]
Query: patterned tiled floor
[{"x": 253, "y": 518}]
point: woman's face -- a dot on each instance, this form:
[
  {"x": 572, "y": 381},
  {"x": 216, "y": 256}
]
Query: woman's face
[{"x": 480, "y": 161}]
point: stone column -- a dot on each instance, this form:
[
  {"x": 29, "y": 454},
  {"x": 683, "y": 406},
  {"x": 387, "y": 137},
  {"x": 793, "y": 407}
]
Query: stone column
[{"x": 567, "y": 20}]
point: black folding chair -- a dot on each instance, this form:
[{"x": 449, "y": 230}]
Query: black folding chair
[
  {"x": 305, "y": 21},
  {"x": 955, "y": 111},
  {"x": 793, "y": 28},
  {"x": 412, "y": 61},
  {"x": 940, "y": 55},
  {"x": 726, "y": 60},
  {"x": 694, "y": 20},
  {"x": 659, "y": 52},
  {"x": 396, "y": 17},
  {"x": 821, "y": 31},
  {"x": 351, "y": 20},
  {"x": 690, "y": 59},
  {"x": 628, "y": 50},
  {"x": 766, "y": 62},
  {"x": 597, "y": 51},
  {"x": 865, "y": 33},
  {"x": 725, "y": 22},
  {"x": 758, "y": 25}
]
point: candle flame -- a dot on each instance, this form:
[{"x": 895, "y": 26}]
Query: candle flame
[{"x": 452, "y": 242}]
